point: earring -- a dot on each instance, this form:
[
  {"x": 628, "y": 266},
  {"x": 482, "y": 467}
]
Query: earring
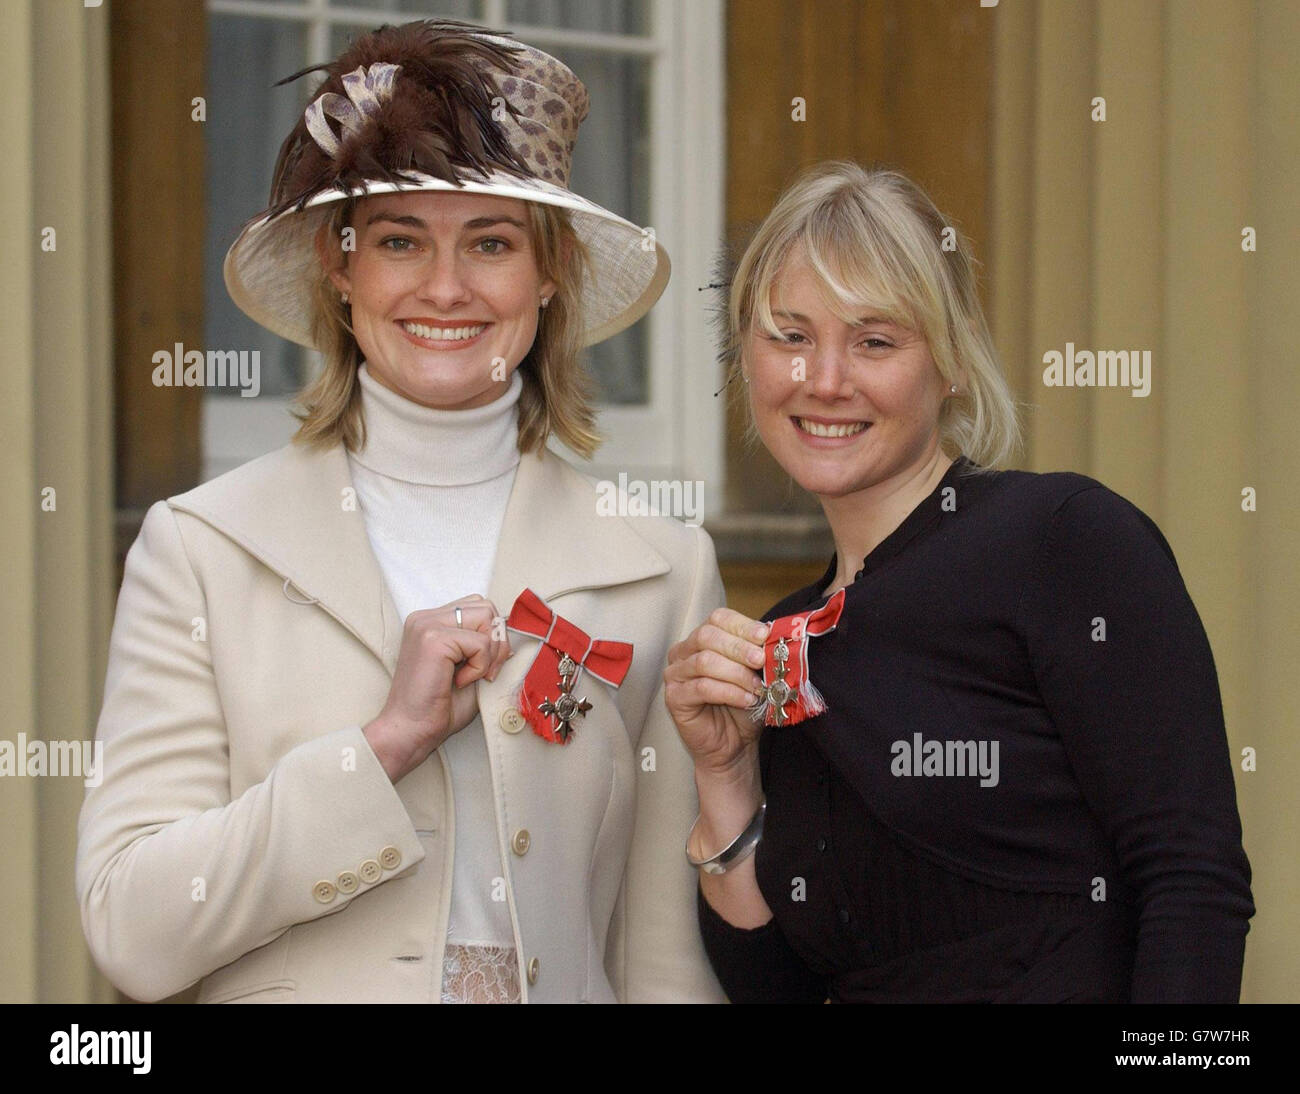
[
  {"x": 953, "y": 389},
  {"x": 545, "y": 301},
  {"x": 343, "y": 297},
  {"x": 744, "y": 377}
]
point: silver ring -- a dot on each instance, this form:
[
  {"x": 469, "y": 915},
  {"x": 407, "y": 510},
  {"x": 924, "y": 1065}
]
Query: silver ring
[{"x": 458, "y": 617}]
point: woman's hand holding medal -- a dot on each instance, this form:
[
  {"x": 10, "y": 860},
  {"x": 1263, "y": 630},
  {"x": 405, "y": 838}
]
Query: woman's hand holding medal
[
  {"x": 710, "y": 686},
  {"x": 712, "y": 680},
  {"x": 432, "y": 694}
]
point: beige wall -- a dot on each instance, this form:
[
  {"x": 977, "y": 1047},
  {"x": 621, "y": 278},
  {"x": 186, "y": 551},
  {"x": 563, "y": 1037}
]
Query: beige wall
[
  {"x": 1127, "y": 233},
  {"x": 55, "y": 421}
]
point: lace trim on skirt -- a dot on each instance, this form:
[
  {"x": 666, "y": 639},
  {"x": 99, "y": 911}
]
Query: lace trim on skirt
[{"x": 480, "y": 974}]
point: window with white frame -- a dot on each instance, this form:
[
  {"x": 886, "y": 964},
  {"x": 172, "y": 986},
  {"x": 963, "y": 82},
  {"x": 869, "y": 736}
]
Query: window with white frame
[{"x": 651, "y": 150}]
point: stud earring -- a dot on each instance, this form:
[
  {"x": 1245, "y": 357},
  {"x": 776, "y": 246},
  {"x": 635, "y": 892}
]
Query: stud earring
[
  {"x": 545, "y": 301},
  {"x": 343, "y": 297},
  {"x": 953, "y": 389}
]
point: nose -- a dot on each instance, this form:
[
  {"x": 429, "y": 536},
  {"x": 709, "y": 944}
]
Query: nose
[
  {"x": 828, "y": 373},
  {"x": 444, "y": 283}
]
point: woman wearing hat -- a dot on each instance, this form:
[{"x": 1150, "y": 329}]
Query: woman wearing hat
[
  {"x": 384, "y": 718},
  {"x": 990, "y": 761}
]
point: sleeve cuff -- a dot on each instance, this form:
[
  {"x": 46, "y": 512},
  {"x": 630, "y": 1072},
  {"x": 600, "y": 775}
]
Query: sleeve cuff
[{"x": 756, "y": 964}]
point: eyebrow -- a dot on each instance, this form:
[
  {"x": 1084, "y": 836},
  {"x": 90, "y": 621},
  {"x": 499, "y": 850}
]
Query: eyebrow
[
  {"x": 862, "y": 321},
  {"x": 416, "y": 222}
]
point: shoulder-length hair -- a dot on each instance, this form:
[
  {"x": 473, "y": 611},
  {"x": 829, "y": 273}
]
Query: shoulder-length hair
[
  {"x": 556, "y": 396},
  {"x": 874, "y": 238}
]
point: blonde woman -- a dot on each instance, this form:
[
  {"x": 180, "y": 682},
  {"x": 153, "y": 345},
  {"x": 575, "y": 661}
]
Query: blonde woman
[
  {"x": 991, "y": 763},
  {"x": 384, "y": 718}
]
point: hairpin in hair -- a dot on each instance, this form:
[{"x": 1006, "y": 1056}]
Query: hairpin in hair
[
  {"x": 726, "y": 385},
  {"x": 723, "y": 266}
]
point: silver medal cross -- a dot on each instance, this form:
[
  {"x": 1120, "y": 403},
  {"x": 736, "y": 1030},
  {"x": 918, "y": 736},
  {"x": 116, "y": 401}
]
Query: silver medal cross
[
  {"x": 566, "y": 707},
  {"x": 778, "y": 692}
]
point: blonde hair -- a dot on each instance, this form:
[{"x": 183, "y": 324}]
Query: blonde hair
[
  {"x": 556, "y": 396},
  {"x": 874, "y": 238}
]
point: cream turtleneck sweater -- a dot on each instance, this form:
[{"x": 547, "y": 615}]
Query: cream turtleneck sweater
[{"x": 433, "y": 487}]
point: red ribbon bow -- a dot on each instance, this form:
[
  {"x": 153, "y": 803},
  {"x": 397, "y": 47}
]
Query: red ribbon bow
[
  {"x": 546, "y": 699},
  {"x": 788, "y": 694}
]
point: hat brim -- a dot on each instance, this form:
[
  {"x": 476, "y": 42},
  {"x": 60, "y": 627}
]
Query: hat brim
[{"x": 271, "y": 268}]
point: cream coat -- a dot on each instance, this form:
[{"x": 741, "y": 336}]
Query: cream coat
[{"x": 237, "y": 780}]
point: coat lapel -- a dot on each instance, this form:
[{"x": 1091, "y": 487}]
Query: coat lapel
[
  {"x": 554, "y": 539},
  {"x": 296, "y": 511}
]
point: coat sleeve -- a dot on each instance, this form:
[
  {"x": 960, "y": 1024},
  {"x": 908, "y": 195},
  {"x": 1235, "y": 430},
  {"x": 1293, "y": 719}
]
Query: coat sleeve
[
  {"x": 655, "y": 953},
  {"x": 174, "y": 878}
]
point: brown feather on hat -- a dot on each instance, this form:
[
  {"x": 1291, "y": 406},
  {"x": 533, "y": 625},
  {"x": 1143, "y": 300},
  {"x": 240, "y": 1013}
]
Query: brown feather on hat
[{"x": 441, "y": 120}]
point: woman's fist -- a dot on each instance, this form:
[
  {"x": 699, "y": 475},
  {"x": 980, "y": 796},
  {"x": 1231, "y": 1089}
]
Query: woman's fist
[
  {"x": 432, "y": 695},
  {"x": 712, "y": 679}
]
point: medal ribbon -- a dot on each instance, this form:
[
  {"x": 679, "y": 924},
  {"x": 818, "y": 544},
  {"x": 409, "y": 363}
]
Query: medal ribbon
[
  {"x": 789, "y": 635},
  {"x": 605, "y": 659}
]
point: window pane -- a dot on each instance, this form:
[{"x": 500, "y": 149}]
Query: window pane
[
  {"x": 469, "y": 10},
  {"x": 247, "y": 119},
  {"x": 611, "y": 165},
  {"x": 610, "y": 16},
  {"x": 342, "y": 34}
]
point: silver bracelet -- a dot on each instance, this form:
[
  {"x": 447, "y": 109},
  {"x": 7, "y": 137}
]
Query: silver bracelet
[{"x": 737, "y": 850}]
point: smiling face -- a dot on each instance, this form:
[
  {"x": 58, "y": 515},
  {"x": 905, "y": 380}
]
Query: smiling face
[
  {"x": 445, "y": 291},
  {"x": 865, "y": 413}
]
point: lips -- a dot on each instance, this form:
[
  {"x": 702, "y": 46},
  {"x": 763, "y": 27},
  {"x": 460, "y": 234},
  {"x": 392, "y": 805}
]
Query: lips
[
  {"x": 829, "y": 429},
  {"x": 430, "y": 333}
]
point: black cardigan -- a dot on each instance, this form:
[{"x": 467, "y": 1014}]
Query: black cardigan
[{"x": 1044, "y": 617}]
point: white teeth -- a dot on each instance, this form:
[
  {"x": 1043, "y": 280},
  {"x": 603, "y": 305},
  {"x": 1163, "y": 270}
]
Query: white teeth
[
  {"x": 443, "y": 334},
  {"x": 819, "y": 430}
]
